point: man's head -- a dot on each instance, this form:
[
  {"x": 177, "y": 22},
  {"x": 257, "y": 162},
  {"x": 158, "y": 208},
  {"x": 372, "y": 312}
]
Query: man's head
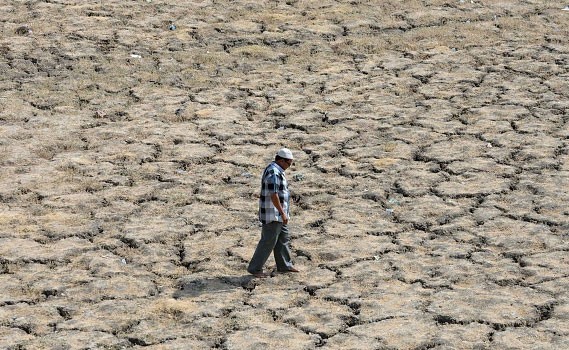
[{"x": 284, "y": 158}]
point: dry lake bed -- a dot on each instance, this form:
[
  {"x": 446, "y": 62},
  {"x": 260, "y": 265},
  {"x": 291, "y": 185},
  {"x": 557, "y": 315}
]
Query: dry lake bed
[{"x": 431, "y": 182}]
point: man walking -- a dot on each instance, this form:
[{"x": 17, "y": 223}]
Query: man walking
[{"x": 274, "y": 215}]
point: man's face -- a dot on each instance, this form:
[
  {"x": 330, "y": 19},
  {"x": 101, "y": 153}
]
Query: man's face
[{"x": 285, "y": 163}]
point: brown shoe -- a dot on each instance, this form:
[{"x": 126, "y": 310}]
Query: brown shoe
[
  {"x": 292, "y": 269},
  {"x": 261, "y": 274}
]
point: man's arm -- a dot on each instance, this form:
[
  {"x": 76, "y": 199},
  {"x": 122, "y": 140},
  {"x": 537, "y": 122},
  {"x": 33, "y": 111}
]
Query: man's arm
[{"x": 277, "y": 204}]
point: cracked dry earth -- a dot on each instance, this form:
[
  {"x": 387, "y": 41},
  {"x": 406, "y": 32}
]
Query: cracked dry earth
[{"x": 430, "y": 187}]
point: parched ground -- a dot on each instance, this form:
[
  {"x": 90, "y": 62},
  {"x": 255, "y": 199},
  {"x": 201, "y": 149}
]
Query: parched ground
[{"x": 430, "y": 187}]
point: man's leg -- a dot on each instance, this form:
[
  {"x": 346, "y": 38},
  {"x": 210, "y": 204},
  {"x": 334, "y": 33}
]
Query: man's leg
[
  {"x": 269, "y": 237},
  {"x": 282, "y": 251}
]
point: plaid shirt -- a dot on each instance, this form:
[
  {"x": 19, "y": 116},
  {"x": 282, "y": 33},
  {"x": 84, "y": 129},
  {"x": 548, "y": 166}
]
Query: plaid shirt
[{"x": 273, "y": 181}]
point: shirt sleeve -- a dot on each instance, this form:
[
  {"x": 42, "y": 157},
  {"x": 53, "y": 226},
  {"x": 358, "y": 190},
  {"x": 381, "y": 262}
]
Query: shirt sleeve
[{"x": 272, "y": 183}]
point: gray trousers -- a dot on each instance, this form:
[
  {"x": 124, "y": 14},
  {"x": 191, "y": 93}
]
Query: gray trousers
[{"x": 274, "y": 238}]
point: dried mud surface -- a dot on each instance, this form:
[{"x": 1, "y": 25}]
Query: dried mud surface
[{"x": 430, "y": 187}]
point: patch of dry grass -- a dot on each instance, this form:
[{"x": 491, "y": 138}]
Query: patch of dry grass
[
  {"x": 175, "y": 309},
  {"x": 51, "y": 149},
  {"x": 257, "y": 52}
]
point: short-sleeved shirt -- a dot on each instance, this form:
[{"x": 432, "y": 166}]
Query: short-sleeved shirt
[{"x": 273, "y": 181}]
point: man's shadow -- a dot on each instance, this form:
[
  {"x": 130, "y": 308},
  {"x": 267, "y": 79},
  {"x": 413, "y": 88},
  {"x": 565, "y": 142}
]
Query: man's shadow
[{"x": 193, "y": 287}]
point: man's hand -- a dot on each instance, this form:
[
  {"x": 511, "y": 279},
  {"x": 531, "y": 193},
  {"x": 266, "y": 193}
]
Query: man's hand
[{"x": 277, "y": 204}]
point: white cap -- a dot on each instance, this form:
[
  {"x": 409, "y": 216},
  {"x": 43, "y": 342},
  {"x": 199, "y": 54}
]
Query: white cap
[{"x": 285, "y": 153}]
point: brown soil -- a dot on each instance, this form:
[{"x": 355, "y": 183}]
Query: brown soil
[{"x": 430, "y": 187}]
